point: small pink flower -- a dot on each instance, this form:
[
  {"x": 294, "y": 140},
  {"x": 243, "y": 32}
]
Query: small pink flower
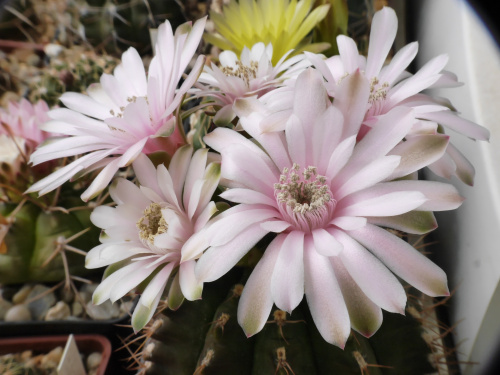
[
  {"x": 391, "y": 85},
  {"x": 24, "y": 120},
  {"x": 149, "y": 227},
  {"x": 253, "y": 74},
  {"x": 125, "y": 115},
  {"x": 20, "y": 134},
  {"x": 325, "y": 195}
]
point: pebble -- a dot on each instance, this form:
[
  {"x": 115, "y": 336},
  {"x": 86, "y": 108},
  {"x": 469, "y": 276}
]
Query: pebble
[
  {"x": 67, "y": 295},
  {"x": 18, "y": 313},
  {"x": 86, "y": 292},
  {"x": 104, "y": 311},
  {"x": 52, "y": 359},
  {"x": 47, "y": 307},
  {"x": 76, "y": 309},
  {"x": 40, "y": 306},
  {"x": 22, "y": 294},
  {"x": 93, "y": 361},
  {"x": 4, "y": 307},
  {"x": 59, "y": 311}
]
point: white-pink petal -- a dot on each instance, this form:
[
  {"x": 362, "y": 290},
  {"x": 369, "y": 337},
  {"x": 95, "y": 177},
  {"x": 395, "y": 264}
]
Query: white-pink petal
[
  {"x": 326, "y": 244},
  {"x": 373, "y": 278},
  {"x": 217, "y": 261},
  {"x": 287, "y": 282},
  {"x": 190, "y": 286},
  {"x": 256, "y": 301},
  {"x": 325, "y": 299},
  {"x": 404, "y": 260}
]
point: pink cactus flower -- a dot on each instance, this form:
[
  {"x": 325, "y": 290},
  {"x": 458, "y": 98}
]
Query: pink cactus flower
[
  {"x": 127, "y": 114},
  {"x": 391, "y": 85},
  {"x": 253, "y": 74},
  {"x": 325, "y": 196},
  {"x": 149, "y": 227}
]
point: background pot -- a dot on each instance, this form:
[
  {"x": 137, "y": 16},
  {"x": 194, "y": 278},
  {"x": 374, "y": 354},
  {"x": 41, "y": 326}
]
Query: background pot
[{"x": 87, "y": 344}]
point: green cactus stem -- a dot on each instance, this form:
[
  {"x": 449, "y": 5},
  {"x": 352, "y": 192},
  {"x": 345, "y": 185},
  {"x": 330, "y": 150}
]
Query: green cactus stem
[{"x": 204, "y": 338}]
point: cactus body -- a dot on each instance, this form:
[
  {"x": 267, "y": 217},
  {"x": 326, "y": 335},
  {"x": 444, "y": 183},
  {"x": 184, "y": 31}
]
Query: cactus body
[
  {"x": 203, "y": 337},
  {"x": 31, "y": 238}
]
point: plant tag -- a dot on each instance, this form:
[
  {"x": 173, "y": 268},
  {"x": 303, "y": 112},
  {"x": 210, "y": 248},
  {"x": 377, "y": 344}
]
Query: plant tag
[{"x": 71, "y": 362}]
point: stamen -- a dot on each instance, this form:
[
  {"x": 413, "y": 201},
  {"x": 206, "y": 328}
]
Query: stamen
[
  {"x": 152, "y": 223},
  {"x": 302, "y": 194},
  {"x": 377, "y": 92},
  {"x": 245, "y": 72}
]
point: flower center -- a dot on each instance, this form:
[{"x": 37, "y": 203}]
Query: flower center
[
  {"x": 305, "y": 198},
  {"x": 377, "y": 91},
  {"x": 152, "y": 223},
  {"x": 245, "y": 72}
]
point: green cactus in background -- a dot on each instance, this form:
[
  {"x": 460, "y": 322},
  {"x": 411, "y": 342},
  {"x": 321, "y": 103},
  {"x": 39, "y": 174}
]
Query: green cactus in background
[
  {"x": 334, "y": 24},
  {"x": 43, "y": 244}
]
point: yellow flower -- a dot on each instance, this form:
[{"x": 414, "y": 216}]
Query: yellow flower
[{"x": 283, "y": 23}]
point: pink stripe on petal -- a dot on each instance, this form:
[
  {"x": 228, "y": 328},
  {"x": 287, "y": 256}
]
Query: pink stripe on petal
[
  {"x": 390, "y": 129},
  {"x": 166, "y": 184},
  {"x": 178, "y": 170},
  {"x": 126, "y": 191},
  {"x": 209, "y": 210},
  {"x": 310, "y": 101},
  {"x": 340, "y": 156}
]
